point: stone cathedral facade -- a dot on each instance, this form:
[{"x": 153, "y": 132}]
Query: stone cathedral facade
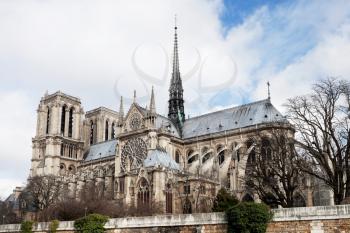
[{"x": 140, "y": 157}]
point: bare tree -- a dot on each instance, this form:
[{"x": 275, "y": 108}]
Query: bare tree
[
  {"x": 273, "y": 168},
  {"x": 42, "y": 191},
  {"x": 322, "y": 123}
]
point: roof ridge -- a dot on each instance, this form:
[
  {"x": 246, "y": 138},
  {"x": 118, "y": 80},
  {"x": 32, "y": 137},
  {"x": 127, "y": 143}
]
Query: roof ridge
[{"x": 231, "y": 108}]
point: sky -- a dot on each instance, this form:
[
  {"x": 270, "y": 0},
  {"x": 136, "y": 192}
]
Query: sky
[{"x": 100, "y": 50}]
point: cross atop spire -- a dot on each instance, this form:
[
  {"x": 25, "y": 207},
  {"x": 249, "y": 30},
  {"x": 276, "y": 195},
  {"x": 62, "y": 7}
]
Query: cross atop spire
[{"x": 268, "y": 90}]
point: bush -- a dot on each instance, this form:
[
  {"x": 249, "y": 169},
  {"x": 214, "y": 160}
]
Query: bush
[
  {"x": 248, "y": 217},
  {"x": 53, "y": 226},
  {"x": 93, "y": 223},
  {"x": 224, "y": 201},
  {"x": 26, "y": 227}
]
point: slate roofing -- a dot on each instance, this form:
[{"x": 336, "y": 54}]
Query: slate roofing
[
  {"x": 232, "y": 118},
  {"x": 162, "y": 158},
  {"x": 101, "y": 150}
]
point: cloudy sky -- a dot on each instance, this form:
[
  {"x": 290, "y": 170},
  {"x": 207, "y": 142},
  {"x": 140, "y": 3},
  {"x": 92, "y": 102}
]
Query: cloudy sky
[{"x": 99, "y": 50}]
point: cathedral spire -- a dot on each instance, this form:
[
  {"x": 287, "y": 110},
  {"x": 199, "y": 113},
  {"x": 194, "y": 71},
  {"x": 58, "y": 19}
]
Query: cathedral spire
[
  {"x": 121, "y": 111},
  {"x": 176, "y": 102},
  {"x": 152, "y": 105}
]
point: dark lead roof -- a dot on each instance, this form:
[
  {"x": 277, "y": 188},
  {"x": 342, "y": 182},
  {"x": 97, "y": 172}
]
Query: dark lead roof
[
  {"x": 233, "y": 118},
  {"x": 101, "y": 150}
]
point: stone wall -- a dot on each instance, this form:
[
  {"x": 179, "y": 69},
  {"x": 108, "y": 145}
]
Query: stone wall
[{"x": 327, "y": 219}]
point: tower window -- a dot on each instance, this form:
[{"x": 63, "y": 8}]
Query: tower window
[
  {"x": 48, "y": 121},
  {"x": 92, "y": 129},
  {"x": 63, "y": 119},
  {"x": 113, "y": 131},
  {"x": 106, "y": 130},
  {"x": 70, "y": 125}
]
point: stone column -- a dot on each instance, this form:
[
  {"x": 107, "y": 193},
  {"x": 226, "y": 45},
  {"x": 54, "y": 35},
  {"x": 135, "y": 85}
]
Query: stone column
[
  {"x": 54, "y": 118},
  {"x": 100, "y": 185},
  {"x": 76, "y": 124}
]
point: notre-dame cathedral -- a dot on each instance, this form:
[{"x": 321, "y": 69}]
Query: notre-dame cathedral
[{"x": 139, "y": 156}]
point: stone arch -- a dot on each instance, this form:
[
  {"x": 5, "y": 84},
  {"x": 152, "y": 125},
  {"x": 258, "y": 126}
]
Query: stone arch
[
  {"x": 192, "y": 156},
  {"x": 221, "y": 153},
  {"x": 206, "y": 154},
  {"x": 247, "y": 198}
]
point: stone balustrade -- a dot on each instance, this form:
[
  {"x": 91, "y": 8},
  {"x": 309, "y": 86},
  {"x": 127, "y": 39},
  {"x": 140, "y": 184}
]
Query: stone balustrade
[{"x": 308, "y": 217}]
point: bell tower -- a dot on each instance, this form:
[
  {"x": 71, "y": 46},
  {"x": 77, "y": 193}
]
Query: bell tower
[{"x": 58, "y": 144}]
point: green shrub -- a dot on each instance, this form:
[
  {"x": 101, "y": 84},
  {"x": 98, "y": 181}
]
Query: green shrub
[
  {"x": 93, "y": 223},
  {"x": 53, "y": 226},
  {"x": 27, "y": 226},
  {"x": 224, "y": 201},
  {"x": 248, "y": 217}
]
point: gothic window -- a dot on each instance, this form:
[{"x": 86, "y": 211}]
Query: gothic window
[
  {"x": 143, "y": 195},
  {"x": 221, "y": 155},
  {"x": 48, "y": 121},
  {"x": 169, "y": 199},
  {"x": 187, "y": 188},
  {"x": 206, "y": 154},
  {"x": 187, "y": 208},
  {"x": 177, "y": 157},
  {"x": 106, "y": 130},
  {"x": 266, "y": 152},
  {"x": 92, "y": 129},
  {"x": 70, "y": 124},
  {"x": 251, "y": 156},
  {"x": 135, "y": 121},
  {"x": 134, "y": 152},
  {"x": 63, "y": 119},
  {"x": 121, "y": 184},
  {"x": 192, "y": 159},
  {"x": 113, "y": 131}
]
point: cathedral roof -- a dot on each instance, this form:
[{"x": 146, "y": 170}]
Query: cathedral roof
[
  {"x": 160, "y": 158},
  {"x": 233, "y": 118},
  {"x": 101, "y": 150}
]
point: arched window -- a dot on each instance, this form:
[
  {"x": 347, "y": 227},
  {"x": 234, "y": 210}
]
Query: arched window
[
  {"x": 191, "y": 158},
  {"x": 187, "y": 208},
  {"x": 143, "y": 195},
  {"x": 92, "y": 129},
  {"x": 266, "y": 152},
  {"x": 106, "y": 130},
  {"x": 177, "y": 157},
  {"x": 70, "y": 124},
  {"x": 169, "y": 199},
  {"x": 221, "y": 155},
  {"x": 251, "y": 156},
  {"x": 48, "y": 120},
  {"x": 113, "y": 131},
  {"x": 63, "y": 119}
]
